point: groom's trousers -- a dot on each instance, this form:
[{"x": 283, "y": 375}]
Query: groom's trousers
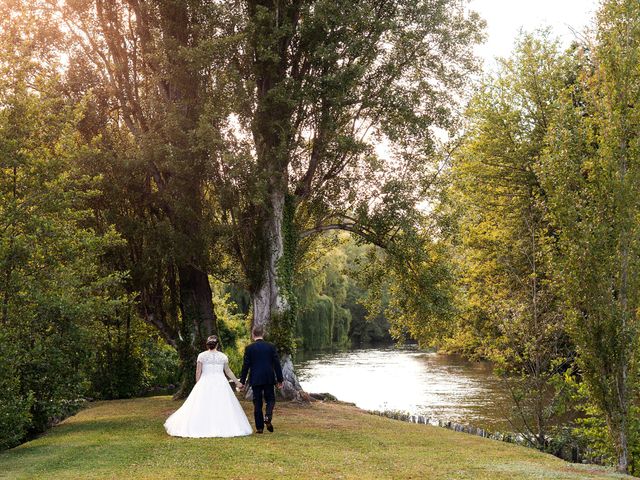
[{"x": 267, "y": 393}]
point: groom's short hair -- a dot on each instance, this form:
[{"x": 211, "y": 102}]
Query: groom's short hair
[{"x": 258, "y": 331}]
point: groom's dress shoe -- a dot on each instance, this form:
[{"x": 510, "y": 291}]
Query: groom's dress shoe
[
  {"x": 258, "y": 430},
  {"x": 268, "y": 425}
]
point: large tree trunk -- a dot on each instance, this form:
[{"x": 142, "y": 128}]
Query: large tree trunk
[
  {"x": 621, "y": 437},
  {"x": 622, "y": 444},
  {"x": 274, "y": 24},
  {"x": 196, "y": 301},
  {"x": 291, "y": 388},
  {"x": 187, "y": 356},
  {"x": 623, "y": 450},
  {"x": 187, "y": 320},
  {"x": 268, "y": 300},
  {"x": 198, "y": 322}
]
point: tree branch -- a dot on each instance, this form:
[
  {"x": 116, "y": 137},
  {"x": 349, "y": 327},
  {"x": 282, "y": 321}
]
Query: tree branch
[{"x": 348, "y": 227}]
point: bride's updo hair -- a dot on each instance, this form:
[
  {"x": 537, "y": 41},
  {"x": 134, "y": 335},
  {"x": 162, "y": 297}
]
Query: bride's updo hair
[{"x": 212, "y": 342}]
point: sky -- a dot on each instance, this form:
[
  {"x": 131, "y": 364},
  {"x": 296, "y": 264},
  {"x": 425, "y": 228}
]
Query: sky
[{"x": 505, "y": 19}]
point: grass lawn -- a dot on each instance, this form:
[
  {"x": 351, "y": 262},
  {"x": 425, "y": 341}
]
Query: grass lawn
[{"x": 125, "y": 439}]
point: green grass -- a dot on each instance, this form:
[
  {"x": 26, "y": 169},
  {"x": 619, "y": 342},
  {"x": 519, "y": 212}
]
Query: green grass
[{"x": 125, "y": 439}]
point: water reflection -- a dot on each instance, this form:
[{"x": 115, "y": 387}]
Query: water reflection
[{"x": 410, "y": 380}]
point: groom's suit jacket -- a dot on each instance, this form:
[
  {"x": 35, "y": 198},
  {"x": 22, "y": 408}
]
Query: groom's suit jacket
[{"x": 262, "y": 363}]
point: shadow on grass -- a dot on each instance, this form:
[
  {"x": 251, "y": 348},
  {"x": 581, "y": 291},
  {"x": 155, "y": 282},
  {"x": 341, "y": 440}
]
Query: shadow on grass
[
  {"x": 101, "y": 425},
  {"x": 104, "y": 434},
  {"x": 82, "y": 447}
]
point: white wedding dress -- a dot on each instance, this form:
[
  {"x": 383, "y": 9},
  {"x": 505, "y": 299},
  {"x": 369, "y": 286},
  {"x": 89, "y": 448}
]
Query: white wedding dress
[{"x": 211, "y": 409}]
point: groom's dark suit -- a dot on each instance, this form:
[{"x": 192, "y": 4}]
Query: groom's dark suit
[{"x": 263, "y": 365}]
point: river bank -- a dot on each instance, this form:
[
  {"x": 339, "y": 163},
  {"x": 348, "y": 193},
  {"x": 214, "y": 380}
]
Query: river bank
[{"x": 125, "y": 439}]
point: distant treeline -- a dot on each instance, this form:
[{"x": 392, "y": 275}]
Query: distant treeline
[{"x": 331, "y": 298}]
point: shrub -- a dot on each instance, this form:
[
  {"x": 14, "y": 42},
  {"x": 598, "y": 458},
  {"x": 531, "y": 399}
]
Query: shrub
[{"x": 15, "y": 416}]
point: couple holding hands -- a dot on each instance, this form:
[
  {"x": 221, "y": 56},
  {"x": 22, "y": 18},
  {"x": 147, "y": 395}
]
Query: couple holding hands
[{"x": 212, "y": 409}]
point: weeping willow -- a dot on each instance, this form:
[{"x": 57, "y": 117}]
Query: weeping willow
[
  {"x": 323, "y": 324},
  {"x": 322, "y": 321}
]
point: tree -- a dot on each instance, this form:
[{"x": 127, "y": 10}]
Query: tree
[
  {"x": 592, "y": 176},
  {"x": 503, "y": 245},
  {"x": 52, "y": 281},
  {"x": 255, "y": 123},
  {"x": 321, "y": 290},
  {"x": 150, "y": 69},
  {"x": 325, "y": 81}
]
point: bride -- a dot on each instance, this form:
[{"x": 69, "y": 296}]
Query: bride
[{"x": 212, "y": 409}]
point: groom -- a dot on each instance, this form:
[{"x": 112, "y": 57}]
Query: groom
[{"x": 261, "y": 359}]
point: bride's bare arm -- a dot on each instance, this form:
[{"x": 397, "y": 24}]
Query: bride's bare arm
[
  {"x": 229, "y": 373},
  {"x": 198, "y": 371}
]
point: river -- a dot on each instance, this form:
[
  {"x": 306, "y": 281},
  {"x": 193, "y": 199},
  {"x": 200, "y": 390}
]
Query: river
[{"x": 406, "y": 379}]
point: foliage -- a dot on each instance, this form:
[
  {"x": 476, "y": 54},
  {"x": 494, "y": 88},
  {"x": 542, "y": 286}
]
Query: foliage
[
  {"x": 503, "y": 242},
  {"x": 118, "y": 363},
  {"x": 161, "y": 363},
  {"x": 283, "y": 321},
  {"x": 322, "y": 83},
  {"x": 147, "y": 70},
  {"x": 233, "y": 328},
  {"x": 542, "y": 219},
  {"x": 332, "y": 290},
  {"x": 365, "y": 327},
  {"x": 592, "y": 174},
  {"x": 320, "y": 289},
  {"x": 53, "y": 284},
  {"x": 590, "y": 431},
  {"x": 232, "y": 325},
  {"x": 233, "y": 131},
  {"x": 15, "y": 407},
  {"x": 329, "y": 297}
]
